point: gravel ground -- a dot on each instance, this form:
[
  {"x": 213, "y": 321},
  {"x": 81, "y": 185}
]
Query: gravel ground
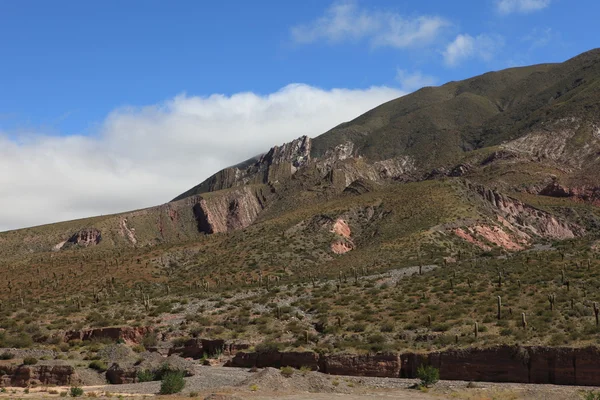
[
  {"x": 235, "y": 383},
  {"x": 206, "y": 378},
  {"x": 270, "y": 384}
]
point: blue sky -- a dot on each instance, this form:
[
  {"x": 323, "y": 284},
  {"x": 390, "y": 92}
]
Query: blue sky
[
  {"x": 111, "y": 105},
  {"x": 66, "y": 64}
]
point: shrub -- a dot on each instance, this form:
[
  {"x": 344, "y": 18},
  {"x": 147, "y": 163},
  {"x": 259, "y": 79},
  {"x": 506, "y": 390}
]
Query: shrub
[
  {"x": 30, "y": 361},
  {"x": 267, "y": 347},
  {"x": 172, "y": 382},
  {"x": 7, "y": 356},
  {"x": 428, "y": 375},
  {"x": 138, "y": 348},
  {"x": 76, "y": 391},
  {"x": 98, "y": 365},
  {"x": 287, "y": 371},
  {"x": 145, "y": 376}
]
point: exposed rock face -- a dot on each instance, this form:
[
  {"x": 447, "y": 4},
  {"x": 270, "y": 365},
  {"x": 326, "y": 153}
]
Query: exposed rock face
[
  {"x": 197, "y": 348},
  {"x": 518, "y": 216},
  {"x": 128, "y": 334},
  {"x": 382, "y": 365},
  {"x": 359, "y": 187},
  {"x": 127, "y": 232},
  {"x": 280, "y": 162},
  {"x": 585, "y": 193},
  {"x": 86, "y": 237},
  {"x": 533, "y": 364},
  {"x": 26, "y": 375},
  {"x": 344, "y": 244},
  {"x": 567, "y": 141},
  {"x": 231, "y": 210},
  {"x": 339, "y": 165},
  {"x": 276, "y": 359},
  {"x": 127, "y": 373}
]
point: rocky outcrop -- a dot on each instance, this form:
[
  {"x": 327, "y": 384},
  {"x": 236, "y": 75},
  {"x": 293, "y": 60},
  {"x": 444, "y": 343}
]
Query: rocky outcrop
[
  {"x": 85, "y": 237},
  {"x": 229, "y": 210},
  {"x": 381, "y": 365},
  {"x": 521, "y": 364},
  {"x": 275, "y": 359},
  {"x": 567, "y": 142},
  {"x": 525, "y": 219},
  {"x": 279, "y": 163},
  {"x": 198, "y": 348},
  {"x": 587, "y": 194},
  {"x": 152, "y": 365},
  {"x": 130, "y": 335},
  {"x": 27, "y": 375}
]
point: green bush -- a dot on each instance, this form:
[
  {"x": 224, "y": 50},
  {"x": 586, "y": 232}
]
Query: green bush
[
  {"x": 287, "y": 371},
  {"x": 76, "y": 391},
  {"x": 98, "y": 365},
  {"x": 30, "y": 361},
  {"x": 428, "y": 375},
  {"x": 172, "y": 382},
  {"x": 267, "y": 347},
  {"x": 7, "y": 356},
  {"x": 145, "y": 376}
]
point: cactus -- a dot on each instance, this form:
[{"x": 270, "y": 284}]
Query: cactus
[
  {"x": 562, "y": 276},
  {"x": 596, "y": 311},
  {"x": 499, "y": 279},
  {"x": 429, "y": 321},
  {"x": 523, "y": 321},
  {"x": 476, "y": 330},
  {"x": 551, "y": 300},
  {"x": 499, "y": 307}
]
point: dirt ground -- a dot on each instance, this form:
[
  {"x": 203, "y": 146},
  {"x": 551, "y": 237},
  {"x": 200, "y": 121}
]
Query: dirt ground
[{"x": 217, "y": 383}]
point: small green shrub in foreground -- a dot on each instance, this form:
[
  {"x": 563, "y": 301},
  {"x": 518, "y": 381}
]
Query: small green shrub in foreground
[
  {"x": 98, "y": 366},
  {"x": 172, "y": 382},
  {"x": 146, "y": 376},
  {"x": 76, "y": 391},
  {"x": 428, "y": 375}
]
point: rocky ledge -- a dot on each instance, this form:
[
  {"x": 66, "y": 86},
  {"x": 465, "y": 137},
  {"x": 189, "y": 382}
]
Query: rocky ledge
[
  {"x": 27, "y": 375},
  {"x": 520, "y": 364}
]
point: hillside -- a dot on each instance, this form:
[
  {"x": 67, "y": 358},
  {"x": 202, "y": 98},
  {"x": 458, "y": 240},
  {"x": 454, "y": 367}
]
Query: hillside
[{"x": 472, "y": 204}]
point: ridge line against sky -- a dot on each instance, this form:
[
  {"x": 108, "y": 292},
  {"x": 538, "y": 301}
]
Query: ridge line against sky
[{"x": 112, "y": 106}]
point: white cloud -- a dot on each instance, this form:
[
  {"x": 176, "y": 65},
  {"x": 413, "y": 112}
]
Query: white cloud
[
  {"x": 465, "y": 47},
  {"x": 345, "y": 21},
  {"x": 145, "y": 156},
  {"x": 411, "y": 81},
  {"x": 539, "y": 37},
  {"x": 506, "y": 7}
]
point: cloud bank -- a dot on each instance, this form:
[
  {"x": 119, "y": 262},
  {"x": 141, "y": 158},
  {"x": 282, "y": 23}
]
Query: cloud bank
[
  {"x": 345, "y": 21},
  {"x": 145, "y": 156},
  {"x": 506, "y": 7},
  {"x": 465, "y": 46}
]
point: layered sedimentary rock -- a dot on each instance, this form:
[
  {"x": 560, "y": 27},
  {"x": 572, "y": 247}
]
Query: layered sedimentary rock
[
  {"x": 198, "y": 348},
  {"x": 126, "y": 333},
  {"x": 523, "y": 364},
  {"x": 27, "y": 375},
  {"x": 229, "y": 210},
  {"x": 86, "y": 237}
]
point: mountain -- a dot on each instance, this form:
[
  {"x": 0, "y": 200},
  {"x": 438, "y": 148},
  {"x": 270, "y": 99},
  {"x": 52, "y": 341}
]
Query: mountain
[{"x": 411, "y": 209}]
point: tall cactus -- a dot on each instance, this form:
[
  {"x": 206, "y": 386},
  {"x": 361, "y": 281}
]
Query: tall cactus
[
  {"x": 551, "y": 300},
  {"x": 499, "y": 307}
]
